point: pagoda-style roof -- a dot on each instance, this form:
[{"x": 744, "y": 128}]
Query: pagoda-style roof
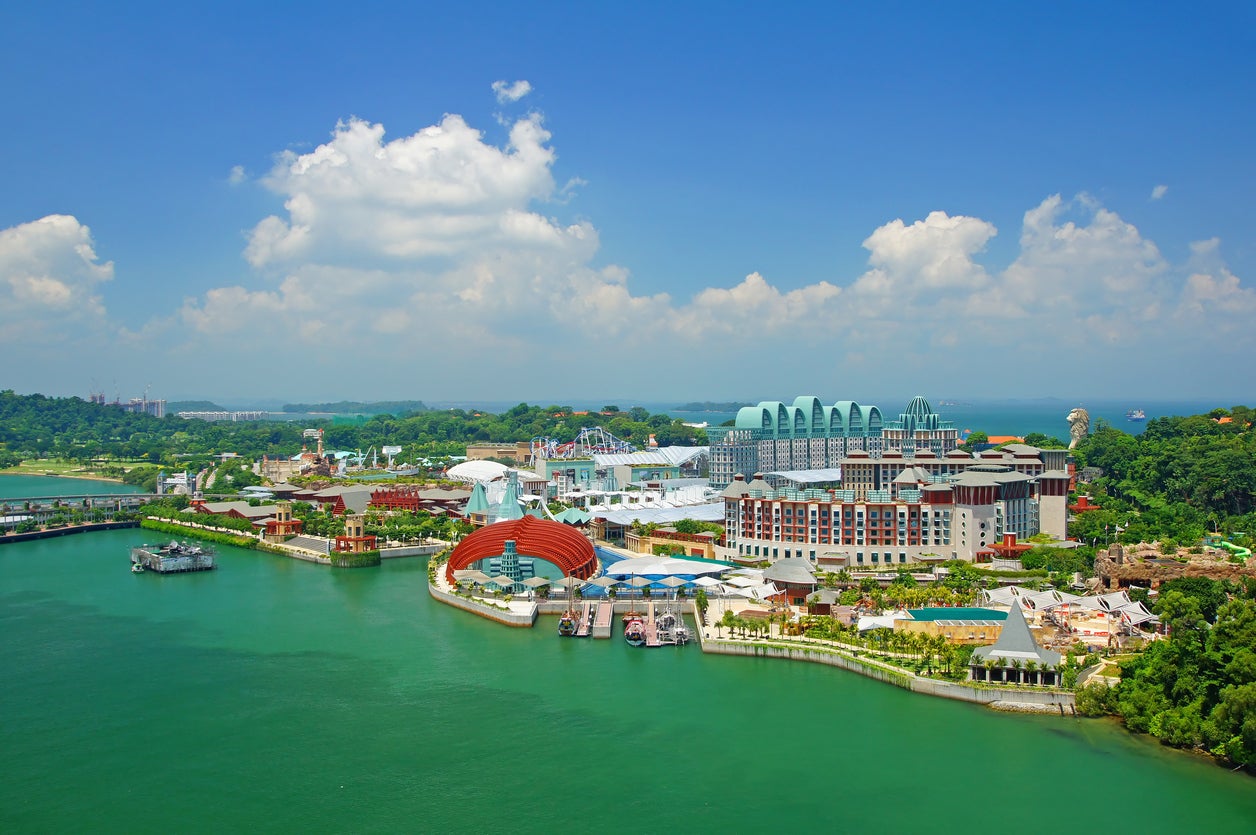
[{"x": 1016, "y": 643}]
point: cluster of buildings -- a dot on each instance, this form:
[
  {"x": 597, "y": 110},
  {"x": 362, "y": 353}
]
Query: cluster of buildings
[
  {"x": 225, "y": 415},
  {"x": 836, "y": 485},
  {"x": 138, "y": 405},
  {"x": 861, "y": 492},
  {"x": 808, "y": 435}
]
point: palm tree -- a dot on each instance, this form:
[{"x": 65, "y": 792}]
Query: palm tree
[
  {"x": 1030, "y": 666},
  {"x": 701, "y": 603},
  {"x": 990, "y": 664},
  {"x": 1016, "y": 665}
]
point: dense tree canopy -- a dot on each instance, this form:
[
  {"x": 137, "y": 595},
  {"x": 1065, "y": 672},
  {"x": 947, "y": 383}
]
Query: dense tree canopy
[
  {"x": 35, "y": 426},
  {"x": 1181, "y": 477},
  {"x": 1197, "y": 689}
]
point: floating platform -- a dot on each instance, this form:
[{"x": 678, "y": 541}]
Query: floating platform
[
  {"x": 173, "y": 558},
  {"x": 602, "y": 620},
  {"x": 586, "y": 622}
]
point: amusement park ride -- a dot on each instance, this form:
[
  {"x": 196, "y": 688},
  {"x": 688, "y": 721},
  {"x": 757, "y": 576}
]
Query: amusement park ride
[{"x": 590, "y": 441}]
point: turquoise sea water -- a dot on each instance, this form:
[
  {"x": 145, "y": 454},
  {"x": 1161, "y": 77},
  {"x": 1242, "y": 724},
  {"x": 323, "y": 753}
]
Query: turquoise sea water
[
  {"x": 273, "y": 695},
  {"x": 31, "y": 486}
]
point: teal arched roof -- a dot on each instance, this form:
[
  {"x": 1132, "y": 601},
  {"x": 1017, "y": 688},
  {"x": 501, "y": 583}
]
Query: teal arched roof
[
  {"x": 810, "y": 418},
  {"x": 754, "y": 417},
  {"x": 852, "y": 419},
  {"x": 813, "y": 413}
]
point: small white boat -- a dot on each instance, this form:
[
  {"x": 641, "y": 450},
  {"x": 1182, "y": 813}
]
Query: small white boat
[{"x": 136, "y": 568}]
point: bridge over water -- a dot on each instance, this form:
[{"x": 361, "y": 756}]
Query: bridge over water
[{"x": 96, "y": 507}]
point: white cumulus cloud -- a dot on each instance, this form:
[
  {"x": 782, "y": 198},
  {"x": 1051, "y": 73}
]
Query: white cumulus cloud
[
  {"x": 1159, "y": 191},
  {"x": 507, "y": 92},
  {"x": 50, "y": 277},
  {"x": 438, "y": 250},
  {"x": 435, "y": 194}
]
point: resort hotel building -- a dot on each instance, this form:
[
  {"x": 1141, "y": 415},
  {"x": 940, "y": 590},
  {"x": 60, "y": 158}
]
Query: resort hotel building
[
  {"x": 809, "y": 435},
  {"x": 846, "y": 489}
]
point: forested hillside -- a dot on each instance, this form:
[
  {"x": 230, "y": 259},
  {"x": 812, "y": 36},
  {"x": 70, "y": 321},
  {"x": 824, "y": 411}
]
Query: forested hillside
[
  {"x": 1180, "y": 478},
  {"x": 35, "y": 426}
]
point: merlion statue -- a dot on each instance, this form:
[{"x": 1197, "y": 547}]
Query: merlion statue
[{"x": 1078, "y": 426}]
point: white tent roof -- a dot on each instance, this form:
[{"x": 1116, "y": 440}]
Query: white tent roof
[
  {"x": 759, "y": 592},
  {"x": 1136, "y": 613},
  {"x": 663, "y": 515},
  {"x": 817, "y": 476},
  {"x": 1047, "y": 600},
  {"x": 473, "y": 471},
  {"x": 1003, "y": 595},
  {"x": 680, "y": 455},
  {"x": 663, "y": 567},
  {"x": 880, "y": 621}
]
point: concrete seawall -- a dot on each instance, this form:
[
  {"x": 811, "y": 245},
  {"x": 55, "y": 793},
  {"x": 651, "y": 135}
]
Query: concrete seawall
[
  {"x": 1044, "y": 701},
  {"x": 509, "y": 618},
  {"x": 67, "y": 530},
  {"x": 409, "y": 551}
]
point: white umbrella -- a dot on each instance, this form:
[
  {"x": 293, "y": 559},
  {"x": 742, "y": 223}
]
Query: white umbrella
[
  {"x": 673, "y": 582},
  {"x": 537, "y": 582},
  {"x": 638, "y": 581},
  {"x": 605, "y": 582},
  {"x": 503, "y": 581}
]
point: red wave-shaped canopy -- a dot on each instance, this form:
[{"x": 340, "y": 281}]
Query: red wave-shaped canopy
[{"x": 542, "y": 539}]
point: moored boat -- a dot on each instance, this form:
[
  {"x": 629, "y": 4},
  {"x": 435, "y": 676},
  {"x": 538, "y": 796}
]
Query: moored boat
[
  {"x": 634, "y": 631},
  {"x": 568, "y": 623},
  {"x": 1135, "y": 414},
  {"x": 671, "y": 628}
]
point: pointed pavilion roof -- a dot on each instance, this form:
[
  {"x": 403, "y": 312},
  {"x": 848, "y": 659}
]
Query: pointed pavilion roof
[
  {"x": 1016, "y": 643},
  {"x": 478, "y": 503},
  {"x": 509, "y": 509}
]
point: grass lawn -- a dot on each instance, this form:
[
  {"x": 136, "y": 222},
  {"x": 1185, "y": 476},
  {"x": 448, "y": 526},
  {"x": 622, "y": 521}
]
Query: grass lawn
[{"x": 61, "y": 467}]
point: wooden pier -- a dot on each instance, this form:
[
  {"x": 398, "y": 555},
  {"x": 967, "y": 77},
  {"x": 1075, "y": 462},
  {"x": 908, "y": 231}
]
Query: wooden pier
[{"x": 586, "y": 621}]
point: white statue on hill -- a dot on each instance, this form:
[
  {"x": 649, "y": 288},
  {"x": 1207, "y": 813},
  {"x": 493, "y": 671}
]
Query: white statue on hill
[{"x": 1078, "y": 426}]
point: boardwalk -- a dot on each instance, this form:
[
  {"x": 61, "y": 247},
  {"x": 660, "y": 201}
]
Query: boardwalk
[{"x": 586, "y": 620}]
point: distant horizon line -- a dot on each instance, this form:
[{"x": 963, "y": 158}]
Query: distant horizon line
[{"x": 235, "y": 402}]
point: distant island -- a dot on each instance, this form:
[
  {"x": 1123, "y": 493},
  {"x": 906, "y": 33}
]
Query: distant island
[
  {"x": 176, "y": 406},
  {"x": 709, "y": 406},
  {"x": 378, "y": 407}
]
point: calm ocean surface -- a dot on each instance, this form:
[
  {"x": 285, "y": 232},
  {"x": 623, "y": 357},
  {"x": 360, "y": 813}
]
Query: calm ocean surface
[
  {"x": 31, "y": 486},
  {"x": 273, "y": 695}
]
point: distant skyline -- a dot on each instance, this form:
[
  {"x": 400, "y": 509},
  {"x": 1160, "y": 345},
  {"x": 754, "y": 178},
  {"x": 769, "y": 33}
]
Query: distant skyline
[{"x": 301, "y": 204}]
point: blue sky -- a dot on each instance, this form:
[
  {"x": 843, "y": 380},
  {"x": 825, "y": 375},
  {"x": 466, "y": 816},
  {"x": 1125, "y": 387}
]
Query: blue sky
[{"x": 720, "y": 201}]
